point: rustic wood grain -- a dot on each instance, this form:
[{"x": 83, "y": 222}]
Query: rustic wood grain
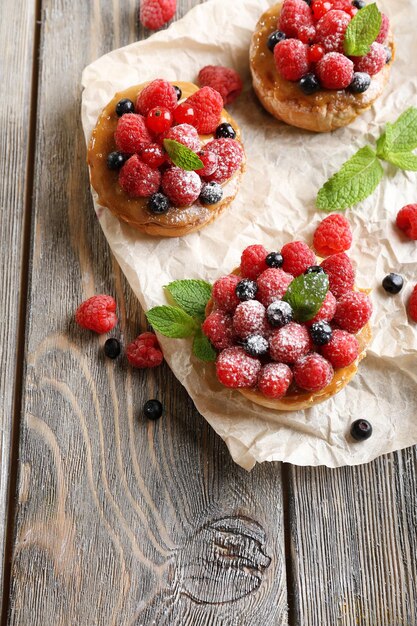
[{"x": 120, "y": 521}]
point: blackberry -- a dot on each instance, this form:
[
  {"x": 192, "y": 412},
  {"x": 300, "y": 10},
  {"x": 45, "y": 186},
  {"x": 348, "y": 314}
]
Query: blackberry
[
  {"x": 279, "y": 314},
  {"x": 178, "y": 92},
  {"x": 211, "y": 193},
  {"x": 360, "y": 82},
  {"x": 226, "y": 131},
  {"x": 275, "y": 38},
  {"x": 112, "y": 348},
  {"x": 255, "y": 345},
  {"x": 393, "y": 283},
  {"x": 158, "y": 203},
  {"x": 274, "y": 259},
  {"x": 314, "y": 269},
  {"x": 124, "y": 106},
  {"x": 309, "y": 84},
  {"x": 115, "y": 160},
  {"x": 153, "y": 409},
  {"x": 321, "y": 333},
  {"x": 361, "y": 430}
]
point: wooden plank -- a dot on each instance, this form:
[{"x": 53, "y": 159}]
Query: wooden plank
[
  {"x": 17, "y": 30},
  {"x": 119, "y": 521},
  {"x": 353, "y": 543}
]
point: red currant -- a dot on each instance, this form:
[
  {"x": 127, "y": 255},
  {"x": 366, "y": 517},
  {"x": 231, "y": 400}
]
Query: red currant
[
  {"x": 153, "y": 155},
  {"x": 320, "y": 8},
  {"x": 352, "y": 11},
  {"x": 315, "y": 53},
  {"x": 184, "y": 114},
  {"x": 159, "y": 120}
]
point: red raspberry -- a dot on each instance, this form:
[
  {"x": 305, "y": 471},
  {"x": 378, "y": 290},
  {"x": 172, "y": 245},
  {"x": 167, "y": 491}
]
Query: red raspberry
[
  {"x": 294, "y": 14},
  {"x": 339, "y": 269},
  {"x": 297, "y": 257},
  {"x": 407, "y": 220},
  {"x": 159, "y": 93},
  {"x": 181, "y": 187},
  {"x": 332, "y": 235},
  {"x": 131, "y": 134},
  {"x": 210, "y": 163},
  {"x": 185, "y": 134},
  {"x": 253, "y": 261},
  {"x": 315, "y": 53},
  {"x": 331, "y": 30},
  {"x": 97, "y": 314},
  {"x": 223, "y": 79},
  {"x": 224, "y": 292},
  {"x": 412, "y": 305},
  {"x": 320, "y": 8},
  {"x": 219, "y": 330},
  {"x": 144, "y": 351},
  {"x": 230, "y": 154},
  {"x": 342, "y": 5},
  {"x": 342, "y": 349},
  {"x": 274, "y": 380},
  {"x": 236, "y": 369},
  {"x": 335, "y": 71},
  {"x": 272, "y": 285},
  {"x": 249, "y": 319},
  {"x": 289, "y": 343},
  {"x": 207, "y": 104},
  {"x": 353, "y": 311},
  {"x": 383, "y": 32},
  {"x": 291, "y": 58},
  {"x": 137, "y": 179},
  {"x": 307, "y": 34},
  {"x": 153, "y": 14},
  {"x": 326, "y": 312},
  {"x": 153, "y": 155},
  {"x": 373, "y": 62},
  {"x": 312, "y": 372}
]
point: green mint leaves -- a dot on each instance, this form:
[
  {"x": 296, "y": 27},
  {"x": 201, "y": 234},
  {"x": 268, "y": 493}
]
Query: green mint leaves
[
  {"x": 306, "y": 294},
  {"x": 191, "y": 295},
  {"x": 202, "y": 347},
  {"x": 172, "y": 321},
  {"x": 361, "y": 174},
  {"x": 362, "y": 31},
  {"x": 182, "y": 156}
]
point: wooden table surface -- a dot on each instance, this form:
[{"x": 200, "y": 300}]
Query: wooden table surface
[{"x": 106, "y": 519}]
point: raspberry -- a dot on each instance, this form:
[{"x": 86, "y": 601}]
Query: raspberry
[
  {"x": 294, "y": 15},
  {"x": 291, "y": 58},
  {"x": 331, "y": 30},
  {"x": 207, "y": 104},
  {"x": 159, "y": 93},
  {"x": 373, "y": 62},
  {"x": 219, "y": 330},
  {"x": 326, "y": 311},
  {"x": 412, "y": 305},
  {"x": 339, "y": 269},
  {"x": 153, "y": 155},
  {"x": 289, "y": 343},
  {"x": 383, "y": 32},
  {"x": 224, "y": 292},
  {"x": 272, "y": 285},
  {"x": 210, "y": 162},
  {"x": 223, "y": 79},
  {"x": 185, "y": 134},
  {"x": 342, "y": 5},
  {"x": 249, "y": 319},
  {"x": 297, "y": 257},
  {"x": 137, "y": 179},
  {"x": 407, "y": 220},
  {"x": 230, "y": 154},
  {"x": 274, "y": 380},
  {"x": 181, "y": 187},
  {"x": 312, "y": 372},
  {"x": 131, "y": 134},
  {"x": 335, "y": 71},
  {"x": 307, "y": 34},
  {"x": 332, "y": 235},
  {"x": 97, "y": 314},
  {"x": 353, "y": 311},
  {"x": 342, "y": 349},
  {"x": 253, "y": 261},
  {"x": 153, "y": 14},
  {"x": 236, "y": 369},
  {"x": 144, "y": 351}
]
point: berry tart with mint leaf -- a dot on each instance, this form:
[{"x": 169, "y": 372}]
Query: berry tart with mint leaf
[
  {"x": 166, "y": 158},
  {"x": 318, "y": 64}
]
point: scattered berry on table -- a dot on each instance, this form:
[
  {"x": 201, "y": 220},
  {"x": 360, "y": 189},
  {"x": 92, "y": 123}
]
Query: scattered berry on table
[
  {"x": 294, "y": 14},
  {"x": 314, "y": 269},
  {"x": 219, "y": 329},
  {"x": 224, "y": 292},
  {"x": 98, "y": 313},
  {"x": 274, "y": 380},
  {"x": 412, "y": 305},
  {"x": 272, "y": 285},
  {"x": 210, "y": 162},
  {"x": 159, "y": 120},
  {"x": 159, "y": 93},
  {"x": 225, "y": 130},
  {"x": 137, "y": 179},
  {"x": 153, "y": 14},
  {"x": 279, "y": 314},
  {"x": 361, "y": 430},
  {"x": 407, "y": 220},
  {"x": 384, "y": 30},
  {"x": 182, "y": 187},
  {"x": 274, "y": 259},
  {"x": 312, "y": 372},
  {"x": 275, "y": 38},
  {"x": 144, "y": 351},
  {"x": 184, "y": 114},
  {"x": 342, "y": 349},
  {"x": 185, "y": 134},
  {"x": 393, "y": 283},
  {"x": 309, "y": 84},
  {"x": 373, "y": 62},
  {"x": 335, "y": 71},
  {"x": 255, "y": 345},
  {"x": 236, "y": 369},
  {"x": 291, "y": 58},
  {"x": 207, "y": 104},
  {"x": 225, "y": 80},
  {"x": 361, "y": 82},
  {"x": 332, "y": 235},
  {"x": 315, "y": 53},
  {"x": 230, "y": 154},
  {"x": 253, "y": 261},
  {"x": 153, "y": 409},
  {"x": 158, "y": 203},
  {"x": 211, "y": 193},
  {"x": 124, "y": 106},
  {"x": 115, "y": 160},
  {"x": 131, "y": 135},
  {"x": 326, "y": 311},
  {"x": 297, "y": 257},
  {"x": 341, "y": 273},
  {"x": 246, "y": 289},
  {"x": 331, "y": 29},
  {"x": 112, "y": 348},
  {"x": 353, "y": 311},
  {"x": 153, "y": 155},
  {"x": 289, "y": 343},
  {"x": 320, "y": 333},
  {"x": 249, "y": 319}
]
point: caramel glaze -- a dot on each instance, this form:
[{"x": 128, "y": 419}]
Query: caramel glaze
[
  {"x": 320, "y": 112},
  {"x": 177, "y": 221}
]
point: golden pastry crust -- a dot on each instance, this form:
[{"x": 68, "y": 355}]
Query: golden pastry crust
[
  {"x": 320, "y": 112},
  {"x": 178, "y": 221}
]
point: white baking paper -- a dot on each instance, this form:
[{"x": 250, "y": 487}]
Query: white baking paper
[{"x": 286, "y": 167}]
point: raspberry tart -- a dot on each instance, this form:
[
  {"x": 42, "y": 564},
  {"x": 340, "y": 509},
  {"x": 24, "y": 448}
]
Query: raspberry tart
[
  {"x": 300, "y": 71},
  {"x": 166, "y": 158}
]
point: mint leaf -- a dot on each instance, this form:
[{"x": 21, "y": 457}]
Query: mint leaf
[
  {"x": 355, "y": 181},
  {"x": 306, "y": 294},
  {"x": 182, "y": 156},
  {"x": 403, "y": 160},
  {"x": 171, "y": 321},
  {"x": 191, "y": 295},
  {"x": 362, "y": 31},
  {"x": 202, "y": 348},
  {"x": 400, "y": 136}
]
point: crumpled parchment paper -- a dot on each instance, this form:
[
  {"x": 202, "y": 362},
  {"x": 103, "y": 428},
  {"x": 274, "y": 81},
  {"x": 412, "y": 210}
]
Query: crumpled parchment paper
[{"x": 286, "y": 167}]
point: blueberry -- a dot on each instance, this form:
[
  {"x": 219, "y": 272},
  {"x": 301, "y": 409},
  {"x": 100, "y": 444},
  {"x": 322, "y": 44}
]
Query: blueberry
[
  {"x": 246, "y": 289},
  {"x": 124, "y": 106},
  {"x": 361, "y": 430},
  {"x": 314, "y": 269},
  {"x": 152, "y": 409},
  {"x": 112, "y": 348},
  {"x": 389, "y": 55},
  {"x": 255, "y": 345},
  {"x": 115, "y": 160},
  {"x": 308, "y": 2},
  {"x": 321, "y": 333},
  {"x": 225, "y": 130},
  {"x": 158, "y": 203},
  {"x": 359, "y": 4},
  {"x": 393, "y": 283},
  {"x": 279, "y": 314},
  {"x": 360, "y": 82},
  {"x": 309, "y": 84},
  {"x": 275, "y": 38},
  {"x": 178, "y": 92},
  {"x": 274, "y": 259},
  {"x": 211, "y": 193}
]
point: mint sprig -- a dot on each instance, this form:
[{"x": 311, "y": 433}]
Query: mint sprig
[
  {"x": 191, "y": 295},
  {"x": 182, "y": 156},
  {"x": 171, "y": 321},
  {"x": 362, "y": 31},
  {"x": 202, "y": 347},
  {"x": 306, "y": 294}
]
